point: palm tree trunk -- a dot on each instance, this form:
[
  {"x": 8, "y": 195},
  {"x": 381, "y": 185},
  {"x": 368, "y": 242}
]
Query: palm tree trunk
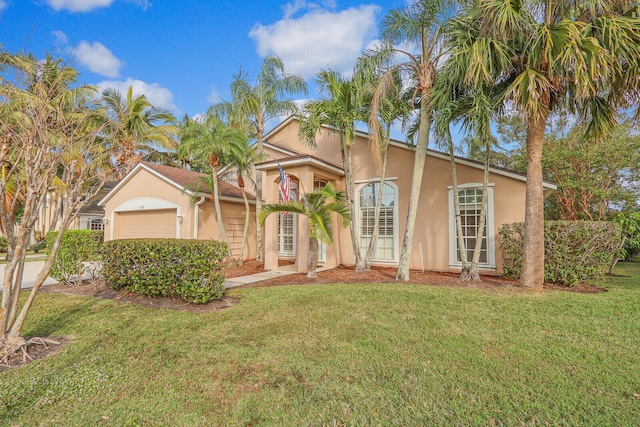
[
  {"x": 259, "y": 238},
  {"x": 376, "y": 215},
  {"x": 533, "y": 260},
  {"x": 348, "y": 177},
  {"x": 312, "y": 257},
  {"x": 245, "y": 231},
  {"x": 474, "y": 273},
  {"x": 216, "y": 204},
  {"x": 416, "y": 186},
  {"x": 456, "y": 206}
]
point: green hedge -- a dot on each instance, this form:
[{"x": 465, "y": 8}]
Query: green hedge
[
  {"x": 574, "y": 251},
  {"x": 78, "y": 254},
  {"x": 4, "y": 244},
  {"x": 182, "y": 268}
]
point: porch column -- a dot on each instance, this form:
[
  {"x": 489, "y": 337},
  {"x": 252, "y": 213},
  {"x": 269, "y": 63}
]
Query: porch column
[
  {"x": 305, "y": 185},
  {"x": 270, "y": 237}
]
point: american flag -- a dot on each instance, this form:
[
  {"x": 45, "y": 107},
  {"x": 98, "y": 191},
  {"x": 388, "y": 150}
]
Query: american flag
[{"x": 285, "y": 187}]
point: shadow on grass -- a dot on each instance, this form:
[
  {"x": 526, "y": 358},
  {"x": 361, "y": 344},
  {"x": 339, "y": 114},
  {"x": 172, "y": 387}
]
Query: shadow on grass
[{"x": 52, "y": 323}]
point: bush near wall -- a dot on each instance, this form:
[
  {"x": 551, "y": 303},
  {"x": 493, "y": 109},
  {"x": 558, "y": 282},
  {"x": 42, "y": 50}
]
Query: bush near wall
[
  {"x": 78, "y": 254},
  {"x": 574, "y": 251},
  {"x": 182, "y": 268}
]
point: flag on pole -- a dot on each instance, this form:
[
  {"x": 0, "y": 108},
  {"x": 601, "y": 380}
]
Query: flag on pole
[{"x": 285, "y": 187}]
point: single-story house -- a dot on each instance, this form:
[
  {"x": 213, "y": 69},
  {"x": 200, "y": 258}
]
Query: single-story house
[
  {"x": 434, "y": 240},
  {"x": 162, "y": 201},
  {"x": 158, "y": 201}
]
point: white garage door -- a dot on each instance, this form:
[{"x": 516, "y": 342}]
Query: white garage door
[{"x": 148, "y": 223}]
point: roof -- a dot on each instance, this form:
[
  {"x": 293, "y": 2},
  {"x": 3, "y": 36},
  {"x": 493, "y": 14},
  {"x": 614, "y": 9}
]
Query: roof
[
  {"x": 92, "y": 207},
  {"x": 188, "y": 181},
  {"x": 548, "y": 185}
]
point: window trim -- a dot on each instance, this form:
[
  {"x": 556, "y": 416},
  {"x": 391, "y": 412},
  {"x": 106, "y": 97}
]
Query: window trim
[
  {"x": 396, "y": 225},
  {"x": 490, "y": 227}
]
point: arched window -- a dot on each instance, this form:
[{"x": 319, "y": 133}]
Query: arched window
[
  {"x": 386, "y": 246},
  {"x": 287, "y": 229},
  {"x": 470, "y": 199}
]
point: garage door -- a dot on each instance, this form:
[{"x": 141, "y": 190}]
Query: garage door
[{"x": 148, "y": 223}]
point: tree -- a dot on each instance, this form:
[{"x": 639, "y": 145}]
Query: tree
[
  {"x": 418, "y": 25},
  {"x": 49, "y": 127},
  {"x": 546, "y": 56},
  {"x": 346, "y": 102},
  {"x": 212, "y": 139},
  {"x": 252, "y": 106},
  {"x": 317, "y": 207},
  {"x": 135, "y": 130}
]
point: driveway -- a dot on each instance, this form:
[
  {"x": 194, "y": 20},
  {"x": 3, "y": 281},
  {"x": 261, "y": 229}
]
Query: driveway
[{"x": 31, "y": 270}]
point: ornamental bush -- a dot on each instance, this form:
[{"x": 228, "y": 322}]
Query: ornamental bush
[
  {"x": 182, "y": 268},
  {"x": 4, "y": 244},
  {"x": 574, "y": 251},
  {"x": 78, "y": 255}
]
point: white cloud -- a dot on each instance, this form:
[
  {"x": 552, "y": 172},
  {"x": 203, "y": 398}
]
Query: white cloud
[
  {"x": 157, "y": 95},
  {"x": 78, "y": 5},
  {"x": 61, "y": 38},
  {"x": 319, "y": 38},
  {"x": 214, "y": 96},
  {"x": 97, "y": 58}
]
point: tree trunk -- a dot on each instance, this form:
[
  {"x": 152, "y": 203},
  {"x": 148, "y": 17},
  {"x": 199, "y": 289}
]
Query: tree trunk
[
  {"x": 57, "y": 211},
  {"x": 376, "y": 216},
  {"x": 259, "y": 238},
  {"x": 245, "y": 231},
  {"x": 533, "y": 260},
  {"x": 474, "y": 273},
  {"x": 216, "y": 203},
  {"x": 416, "y": 186},
  {"x": 462, "y": 248},
  {"x": 312, "y": 257},
  {"x": 348, "y": 177}
]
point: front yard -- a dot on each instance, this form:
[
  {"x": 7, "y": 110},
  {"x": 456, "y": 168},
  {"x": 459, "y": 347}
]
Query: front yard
[{"x": 343, "y": 354}]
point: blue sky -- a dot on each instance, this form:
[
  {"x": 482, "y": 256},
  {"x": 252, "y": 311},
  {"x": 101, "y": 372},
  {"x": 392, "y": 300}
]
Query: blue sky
[{"x": 182, "y": 54}]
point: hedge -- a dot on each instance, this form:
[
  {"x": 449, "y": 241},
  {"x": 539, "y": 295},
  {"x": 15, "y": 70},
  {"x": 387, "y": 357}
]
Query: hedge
[
  {"x": 182, "y": 268},
  {"x": 78, "y": 255},
  {"x": 4, "y": 244},
  {"x": 574, "y": 251}
]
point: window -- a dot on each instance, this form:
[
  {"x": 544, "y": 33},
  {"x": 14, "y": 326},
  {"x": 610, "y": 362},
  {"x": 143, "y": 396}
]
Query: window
[
  {"x": 287, "y": 229},
  {"x": 386, "y": 242},
  {"x": 470, "y": 199},
  {"x": 96, "y": 224}
]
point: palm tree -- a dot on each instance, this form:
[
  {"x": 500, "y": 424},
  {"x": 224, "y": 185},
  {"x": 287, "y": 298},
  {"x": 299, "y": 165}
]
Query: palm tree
[
  {"x": 347, "y": 103},
  {"x": 212, "y": 139},
  {"x": 545, "y": 56},
  {"x": 135, "y": 130},
  {"x": 252, "y": 106},
  {"x": 419, "y": 24},
  {"x": 317, "y": 207}
]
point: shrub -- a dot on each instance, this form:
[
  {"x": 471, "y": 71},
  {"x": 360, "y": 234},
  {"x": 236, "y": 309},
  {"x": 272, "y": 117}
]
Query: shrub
[
  {"x": 78, "y": 254},
  {"x": 4, "y": 244},
  {"x": 574, "y": 250},
  {"x": 182, "y": 268}
]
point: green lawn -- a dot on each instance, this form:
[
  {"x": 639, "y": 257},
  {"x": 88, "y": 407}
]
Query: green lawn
[{"x": 340, "y": 355}]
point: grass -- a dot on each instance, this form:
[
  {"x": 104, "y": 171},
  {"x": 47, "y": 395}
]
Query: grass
[{"x": 339, "y": 355}]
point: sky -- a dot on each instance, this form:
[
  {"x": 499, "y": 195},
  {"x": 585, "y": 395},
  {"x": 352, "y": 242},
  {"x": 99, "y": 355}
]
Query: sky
[{"x": 182, "y": 54}]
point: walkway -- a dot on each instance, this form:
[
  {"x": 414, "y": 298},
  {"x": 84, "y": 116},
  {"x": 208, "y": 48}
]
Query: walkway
[{"x": 35, "y": 263}]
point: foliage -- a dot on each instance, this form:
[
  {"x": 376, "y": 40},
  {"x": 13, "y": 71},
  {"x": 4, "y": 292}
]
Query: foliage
[
  {"x": 3, "y": 243},
  {"x": 630, "y": 225},
  {"x": 182, "y": 268},
  {"x": 78, "y": 254},
  {"x": 343, "y": 354},
  {"x": 575, "y": 251}
]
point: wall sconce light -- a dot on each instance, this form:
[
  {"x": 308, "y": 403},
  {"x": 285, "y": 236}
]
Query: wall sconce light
[
  {"x": 180, "y": 218},
  {"x": 105, "y": 221}
]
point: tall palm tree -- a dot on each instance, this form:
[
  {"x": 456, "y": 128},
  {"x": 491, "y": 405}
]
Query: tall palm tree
[
  {"x": 418, "y": 25},
  {"x": 253, "y": 105},
  {"x": 347, "y": 102},
  {"x": 212, "y": 139},
  {"x": 550, "y": 55},
  {"x": 317, "y": 207},
  {"x": 135, "y": 130}
]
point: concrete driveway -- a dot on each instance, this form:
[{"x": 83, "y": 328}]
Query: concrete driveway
[{"x": 31, "y": 270}]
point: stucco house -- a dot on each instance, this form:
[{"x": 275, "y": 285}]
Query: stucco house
[
  {"x": 155, "y": 201},
  {"x": 162, "y": 201}
]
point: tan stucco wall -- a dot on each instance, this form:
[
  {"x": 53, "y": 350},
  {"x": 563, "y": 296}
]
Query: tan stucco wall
[
  {"x": 144, "y": 184},
  {"x": 432, "y": 224}
]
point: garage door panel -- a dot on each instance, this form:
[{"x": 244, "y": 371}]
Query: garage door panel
[{"x": 146, "y": 224}]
